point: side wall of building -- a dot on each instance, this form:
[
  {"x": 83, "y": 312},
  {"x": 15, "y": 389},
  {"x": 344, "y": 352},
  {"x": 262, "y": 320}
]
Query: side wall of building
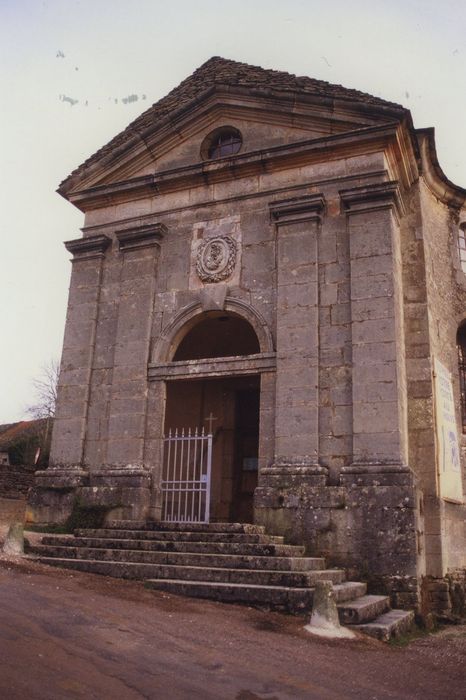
[{"x": 446, "y": 296}]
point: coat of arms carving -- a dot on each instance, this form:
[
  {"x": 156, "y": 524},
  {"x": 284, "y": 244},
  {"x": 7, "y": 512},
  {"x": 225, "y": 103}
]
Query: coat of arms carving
[{"x": 216, "y": 258}]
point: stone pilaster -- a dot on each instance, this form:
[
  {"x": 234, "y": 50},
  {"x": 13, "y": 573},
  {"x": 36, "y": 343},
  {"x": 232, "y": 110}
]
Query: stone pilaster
[
  {"x": 378, "y": 354},
  {"x": 381, "y": 497},
  {"x": 78, "y": 350},
  {"x": 140, "y": 250},
  {"x": 123, "y": 480},
  {"x": 295, "y": 470},
  {"x": 297, "y": 224},
  {"x": 153, "y": 445},
  {"x": 51, "y": 499}
]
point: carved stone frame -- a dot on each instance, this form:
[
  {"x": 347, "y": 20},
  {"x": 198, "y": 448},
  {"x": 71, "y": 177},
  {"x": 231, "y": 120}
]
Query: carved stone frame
[{"x": 162, "y": 369}]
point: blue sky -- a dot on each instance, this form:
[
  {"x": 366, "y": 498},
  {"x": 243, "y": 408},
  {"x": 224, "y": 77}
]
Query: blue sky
[{"x": 68, "y": 67}]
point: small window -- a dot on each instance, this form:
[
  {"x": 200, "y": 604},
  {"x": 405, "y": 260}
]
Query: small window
[
  {"x": 225, "y": 141},
  {"x": 462, "y": 245},
  {"x": 461, "y": 345}
]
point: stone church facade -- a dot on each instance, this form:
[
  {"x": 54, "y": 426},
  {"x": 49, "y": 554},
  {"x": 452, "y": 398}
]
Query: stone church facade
[{"x": 278, "y": 261}]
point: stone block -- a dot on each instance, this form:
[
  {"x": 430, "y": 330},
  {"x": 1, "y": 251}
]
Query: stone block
[
  {"x": 122, "y": 451},
  {"x": 372, "y": 308},
  {"x": 126, "y": 425},
  {"x": 327, "y": 246},
  {"x": 331, "y": 356},
  {"x": 78, "y": 333},
  {"x": 376, "y": 356},
  {"x": 375, "y": 417},
  {"x": 341, "y": 314},
  {"x": 341, "y": 394},
  {"x": 328, "y": 294},
  {"x": 336, "y": 421},
  {"x": 302, "y": 295},
  {"x": 374, "y": 392},
  {"x": 372, "y": 287},
  {"x": 373, "y": 266},
  {"x": 335, "y": 446},
  {"x": 383, "y": 446}
]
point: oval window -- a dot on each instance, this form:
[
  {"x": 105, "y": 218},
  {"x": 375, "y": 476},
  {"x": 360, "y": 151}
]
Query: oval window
[{"x": 225, "y": 141}]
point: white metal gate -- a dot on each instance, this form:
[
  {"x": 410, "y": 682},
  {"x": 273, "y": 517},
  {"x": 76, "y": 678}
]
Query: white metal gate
[{"x": 187, "y": 465}]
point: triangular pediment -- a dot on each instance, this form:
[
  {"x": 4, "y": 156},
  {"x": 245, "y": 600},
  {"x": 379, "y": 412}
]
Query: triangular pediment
[{"x": 269, "y": 108}]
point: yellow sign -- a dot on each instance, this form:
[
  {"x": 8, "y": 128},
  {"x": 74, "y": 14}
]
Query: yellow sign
[{"x": 448, "y": 453}]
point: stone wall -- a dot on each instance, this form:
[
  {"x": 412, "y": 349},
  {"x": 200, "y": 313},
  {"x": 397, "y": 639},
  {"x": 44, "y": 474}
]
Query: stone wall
[
  {"x": 367, "y": 524},
  {"x": 445, "y": 597},
  {"x": 445, "y": 523},
  {"x": 16, "y": 480}
]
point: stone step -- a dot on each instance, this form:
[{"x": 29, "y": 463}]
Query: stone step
[
  {"x": 261, "y": 577},
  {"x": 184, "y": 536},
  {"x": 392, "y": 624},
  {"x": 275, "y": 597},
  {"x": 143, "y": 554},
  {"x": 127, "y": 525},
  {"x": 363, "y": 609},
  {"x": 350, "y": 590},
  {"x": 267, "y": 550},
  {"x": 247, "y": 528},
  {"x": 229, "y": 562},
  {"x": 294, "y": 599},
  {"x": 287, "y": 599}
]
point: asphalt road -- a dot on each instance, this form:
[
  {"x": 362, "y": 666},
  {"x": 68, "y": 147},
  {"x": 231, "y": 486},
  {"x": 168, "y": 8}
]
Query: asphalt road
[{"x": 72, "y": 635}]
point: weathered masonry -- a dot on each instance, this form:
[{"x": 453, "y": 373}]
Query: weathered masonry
[{"x": 280, "y": 263}]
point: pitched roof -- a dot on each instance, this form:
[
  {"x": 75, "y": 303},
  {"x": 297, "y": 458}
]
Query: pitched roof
[
  {"x": 222, "y": 71},
  {"x": 10, "y": 433}
]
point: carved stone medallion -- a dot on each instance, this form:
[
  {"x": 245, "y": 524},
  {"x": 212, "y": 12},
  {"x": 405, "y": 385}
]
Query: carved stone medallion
[{"x": 216, "y": 258}]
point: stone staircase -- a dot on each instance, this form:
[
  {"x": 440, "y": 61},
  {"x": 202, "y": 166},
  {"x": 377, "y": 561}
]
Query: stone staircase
[{"x": 229, "y": 562}]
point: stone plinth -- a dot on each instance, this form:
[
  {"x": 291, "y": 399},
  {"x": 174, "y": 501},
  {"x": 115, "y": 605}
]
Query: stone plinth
[
  {"x": 52, "y": 497},
  {"x": 367, "y": 523},
  {"x": 121, "y": 493},
  {"x": 124, "y": 491}
]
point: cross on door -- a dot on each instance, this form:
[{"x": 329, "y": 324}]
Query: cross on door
[{"x": 210, "y": 419}]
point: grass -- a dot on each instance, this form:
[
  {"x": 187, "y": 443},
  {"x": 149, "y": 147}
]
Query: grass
[
  {"x": 416, "y": 633},
  {"x": 47, "y": 529}
]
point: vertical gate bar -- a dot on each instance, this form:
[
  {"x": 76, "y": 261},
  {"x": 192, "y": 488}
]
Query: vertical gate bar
[
  {"x": 175, "y": 455},
  {"x": 176, "y": 484},
  {"x": 201, "y": 469},
  {"x": 209, "y": 468},
  {"x": 193, "y": 476},
  {"x": 180, "y": 491},
  {"x": 187, "y": 475},
  {"x": 166, "y": 468}
]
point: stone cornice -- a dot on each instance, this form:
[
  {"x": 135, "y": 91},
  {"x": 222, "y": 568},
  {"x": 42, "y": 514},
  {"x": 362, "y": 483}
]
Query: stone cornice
[
  {"x": 436, "y": 180},
  {"x": 288, "y": 211},
  {"x": 357, "y": 142},
  {"x": 264, "y": 194},
  {"x": 216, "y": 367},
  {"x": 384, "y": 195},
  {"x": 141, "y": 236},
  {"x": 88, "y": 247}
]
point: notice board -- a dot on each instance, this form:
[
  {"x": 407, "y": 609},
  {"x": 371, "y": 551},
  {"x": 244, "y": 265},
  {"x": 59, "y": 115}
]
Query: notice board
[{"x": 448, "y": 452}]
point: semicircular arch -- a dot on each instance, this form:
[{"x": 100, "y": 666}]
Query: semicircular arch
[{"x": 172, "y": 334}]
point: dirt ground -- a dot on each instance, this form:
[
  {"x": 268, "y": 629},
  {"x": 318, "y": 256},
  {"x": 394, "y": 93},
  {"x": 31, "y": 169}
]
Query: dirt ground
[{"x": 72, "y": 635}]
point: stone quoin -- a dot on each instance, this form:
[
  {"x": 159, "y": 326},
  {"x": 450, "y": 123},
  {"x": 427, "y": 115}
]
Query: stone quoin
[{"x": 275, "y": 260}]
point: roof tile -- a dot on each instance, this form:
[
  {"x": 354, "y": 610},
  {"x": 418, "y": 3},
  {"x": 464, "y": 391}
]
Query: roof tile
[{"x": 222, "y": 71}]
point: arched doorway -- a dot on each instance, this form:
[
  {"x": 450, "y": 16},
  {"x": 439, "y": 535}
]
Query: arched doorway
[{"x": 224, "y": 403}]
